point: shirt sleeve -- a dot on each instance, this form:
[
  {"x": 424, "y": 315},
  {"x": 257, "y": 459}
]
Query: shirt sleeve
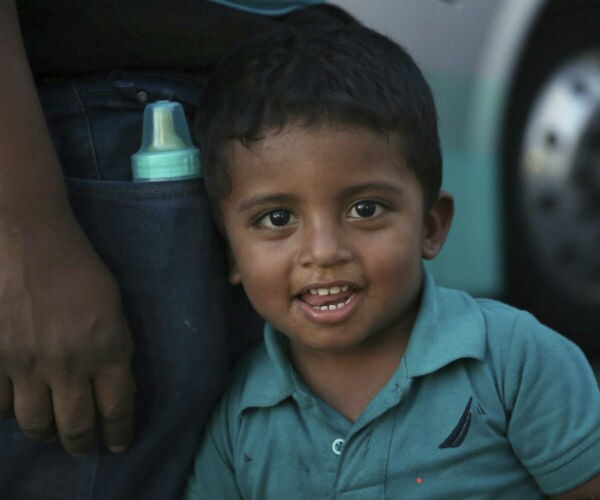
[
  {"x": 553, "y": 407},
  {"x": 213, "y": 476}
]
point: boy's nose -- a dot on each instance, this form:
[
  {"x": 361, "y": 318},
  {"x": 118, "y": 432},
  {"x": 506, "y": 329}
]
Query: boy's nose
[{"x": 324, "y": 245}]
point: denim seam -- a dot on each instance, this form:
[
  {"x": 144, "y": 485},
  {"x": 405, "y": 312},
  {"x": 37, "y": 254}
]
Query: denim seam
[
  {"x": 89, "y": 130},
  {"x": 132, "y": 194},
  {"x": 94, "y": 479},
  {"x": 145, "y": 197}
]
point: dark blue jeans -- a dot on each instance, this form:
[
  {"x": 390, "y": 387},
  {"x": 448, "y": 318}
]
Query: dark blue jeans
[{"x": 159, "y": 242}]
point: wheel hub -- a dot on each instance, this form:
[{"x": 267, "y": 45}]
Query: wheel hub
[{"x": 559, "y": 172}]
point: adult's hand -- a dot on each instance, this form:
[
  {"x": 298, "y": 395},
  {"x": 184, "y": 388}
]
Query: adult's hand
[{"x": 65, "y": 347}]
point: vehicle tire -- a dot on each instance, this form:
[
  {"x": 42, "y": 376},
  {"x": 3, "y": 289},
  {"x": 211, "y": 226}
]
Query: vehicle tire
[{"x": 551, "y": 166}]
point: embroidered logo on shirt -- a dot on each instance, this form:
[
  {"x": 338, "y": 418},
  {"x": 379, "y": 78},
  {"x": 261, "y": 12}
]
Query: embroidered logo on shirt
[{"x": 458, "y": 434}]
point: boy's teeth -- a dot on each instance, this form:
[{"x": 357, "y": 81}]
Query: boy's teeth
[
  {"x": 329, "y": 291},
  {"x": 332, "y": 307}
]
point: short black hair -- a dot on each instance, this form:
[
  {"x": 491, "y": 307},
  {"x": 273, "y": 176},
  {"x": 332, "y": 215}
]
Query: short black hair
[{"x": 348, "y": 75}]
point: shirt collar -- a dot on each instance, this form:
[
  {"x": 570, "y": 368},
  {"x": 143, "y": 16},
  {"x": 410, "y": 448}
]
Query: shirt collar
[
  {"x": 270, "y": 378},
  {"x": 449, "y": 326}
]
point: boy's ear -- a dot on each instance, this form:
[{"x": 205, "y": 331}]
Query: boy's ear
[
  {"x": 234, "y": 273},
  {"x": 436, "y": 226}
]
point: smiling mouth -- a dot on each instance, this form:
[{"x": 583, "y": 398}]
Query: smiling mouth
[{"x": 328, "y": 299}]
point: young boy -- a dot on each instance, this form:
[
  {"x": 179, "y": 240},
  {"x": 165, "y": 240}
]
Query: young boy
[{"x": 324, "y": 168}]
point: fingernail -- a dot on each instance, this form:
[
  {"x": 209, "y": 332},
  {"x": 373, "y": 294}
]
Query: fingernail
[{"x": 117, "y": 448}]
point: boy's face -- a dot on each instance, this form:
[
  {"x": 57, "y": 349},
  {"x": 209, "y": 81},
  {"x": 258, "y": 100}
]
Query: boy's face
[{"x": 327, "y": 230}]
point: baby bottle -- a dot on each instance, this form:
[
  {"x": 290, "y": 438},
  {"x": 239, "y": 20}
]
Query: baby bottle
[{"x": 167, "y": 151}]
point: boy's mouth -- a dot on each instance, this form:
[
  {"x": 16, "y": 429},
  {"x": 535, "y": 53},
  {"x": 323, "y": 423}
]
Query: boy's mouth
[{"x": 328, "y": 298}]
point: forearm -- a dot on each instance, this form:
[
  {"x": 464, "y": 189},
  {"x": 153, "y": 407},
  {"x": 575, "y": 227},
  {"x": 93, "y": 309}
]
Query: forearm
[{"x": 31, "y": 185}]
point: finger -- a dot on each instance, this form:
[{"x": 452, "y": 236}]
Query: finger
[
  {"x": 33, "y": 410},
  {"x": 115, "y": 399},
  {"x": 74, "y": 412},
  {"x": 6, "y": 398}
]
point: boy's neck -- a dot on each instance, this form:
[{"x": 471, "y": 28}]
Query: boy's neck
[{"x": 348, "y": 382}]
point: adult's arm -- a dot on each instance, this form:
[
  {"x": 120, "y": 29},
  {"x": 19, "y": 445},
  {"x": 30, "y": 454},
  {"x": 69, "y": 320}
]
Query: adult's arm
[{"x": 65, "y": 347}]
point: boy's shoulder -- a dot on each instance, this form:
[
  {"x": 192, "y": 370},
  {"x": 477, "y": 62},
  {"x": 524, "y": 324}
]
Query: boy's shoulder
[
  {"x": 502, "y": 325},
  {"x": 454, "y": 325},
  {"x": 510, "y": 330}
]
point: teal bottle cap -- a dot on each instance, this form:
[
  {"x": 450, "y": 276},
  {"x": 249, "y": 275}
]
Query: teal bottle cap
[{"x": 167, "y": 151}]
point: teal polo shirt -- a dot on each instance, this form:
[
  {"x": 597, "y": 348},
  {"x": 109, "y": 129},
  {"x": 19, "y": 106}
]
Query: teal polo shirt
[{"x": 486, "y": 403}]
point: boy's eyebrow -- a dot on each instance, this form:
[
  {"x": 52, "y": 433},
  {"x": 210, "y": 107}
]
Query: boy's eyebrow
[
  {"x": 392, "y": 188},
  {"x": 264, "y": 199}
]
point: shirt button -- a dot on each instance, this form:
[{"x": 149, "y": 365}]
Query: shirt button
[{"x": 337, "y": 446}]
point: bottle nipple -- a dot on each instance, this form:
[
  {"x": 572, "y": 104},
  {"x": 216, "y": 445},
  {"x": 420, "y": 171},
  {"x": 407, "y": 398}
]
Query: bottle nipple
[{"x": 164, "y": 136}]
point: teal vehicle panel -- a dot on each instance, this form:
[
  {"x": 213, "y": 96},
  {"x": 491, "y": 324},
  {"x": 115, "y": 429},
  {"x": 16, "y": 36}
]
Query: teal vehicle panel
[{"x": 472, "y": 258}]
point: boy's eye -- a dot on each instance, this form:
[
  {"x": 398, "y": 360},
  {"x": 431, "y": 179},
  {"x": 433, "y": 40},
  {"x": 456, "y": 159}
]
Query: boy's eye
[
  {"x": 277, "y": 218},
  {"x": 364, "y": 209}
]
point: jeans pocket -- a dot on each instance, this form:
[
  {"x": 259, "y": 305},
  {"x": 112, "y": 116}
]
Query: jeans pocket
[
  {"x": 161, "y": 245},
  {"x": 159, "y": 242}
]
